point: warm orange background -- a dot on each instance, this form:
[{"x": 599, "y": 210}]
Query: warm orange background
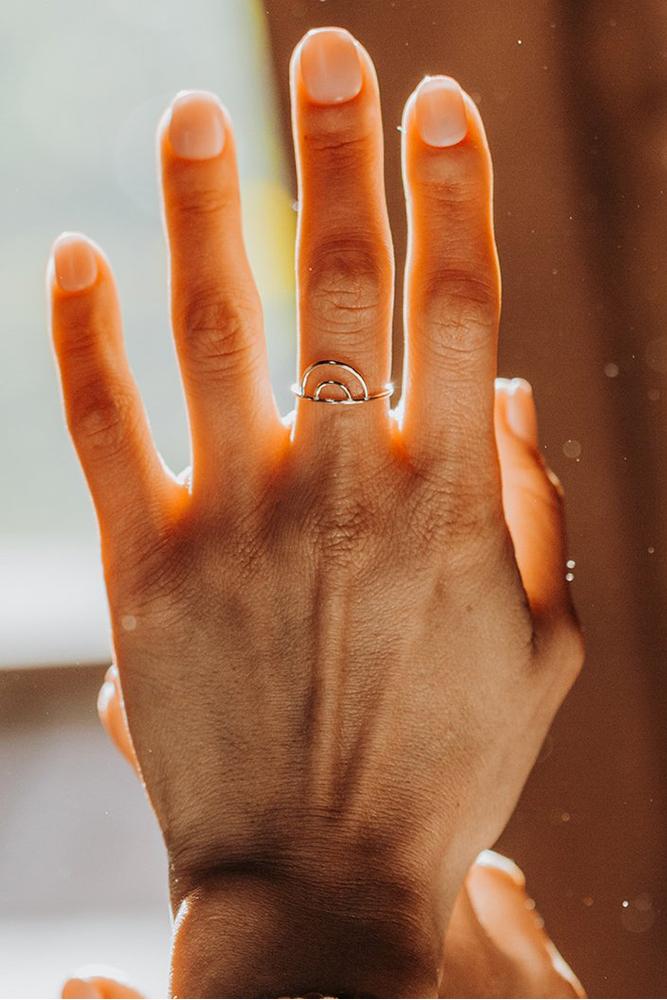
[{"x": 574, "y": 96}]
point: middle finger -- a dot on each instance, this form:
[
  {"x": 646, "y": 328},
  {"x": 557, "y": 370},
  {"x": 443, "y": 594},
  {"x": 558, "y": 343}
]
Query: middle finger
[{"x": 345, "y": 267}]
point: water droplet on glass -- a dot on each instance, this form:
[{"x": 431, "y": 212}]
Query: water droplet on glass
[
  {"x": 587, "y": 901},
  {"x": 638, "y": 914},
  {"x": 651, "y": 550},
  {"x": 611, "y": 369},
  {"x": 569, "y": 577},
  {"x": 128, "y": 623},
  {"x": 570, "y": 564},
  {"x": 572, "y": 449}
]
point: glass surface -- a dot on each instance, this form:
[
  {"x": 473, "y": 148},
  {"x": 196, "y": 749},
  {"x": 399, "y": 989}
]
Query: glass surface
[{"x": 574, "y": 103}]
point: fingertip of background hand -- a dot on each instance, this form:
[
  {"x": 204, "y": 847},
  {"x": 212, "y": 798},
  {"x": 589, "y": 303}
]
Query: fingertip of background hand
[
  {"x": 77, "y": 989},
  {"x": 519, "y": 410}
]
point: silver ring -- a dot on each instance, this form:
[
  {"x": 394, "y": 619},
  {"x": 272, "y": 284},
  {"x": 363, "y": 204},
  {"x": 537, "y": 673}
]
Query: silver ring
[{"x": 361, "y": 394}]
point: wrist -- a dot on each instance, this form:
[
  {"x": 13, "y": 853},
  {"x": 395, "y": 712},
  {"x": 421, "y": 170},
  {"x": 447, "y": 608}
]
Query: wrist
[{"x": 251, "y": 936}]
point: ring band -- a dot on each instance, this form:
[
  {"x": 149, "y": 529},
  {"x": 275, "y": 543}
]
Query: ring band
[{"x": 300, "y": 388}]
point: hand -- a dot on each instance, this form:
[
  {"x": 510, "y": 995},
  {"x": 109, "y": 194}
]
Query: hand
[
  {"x": 330, "y": 636},
  {"x": 495, "y": 945}
]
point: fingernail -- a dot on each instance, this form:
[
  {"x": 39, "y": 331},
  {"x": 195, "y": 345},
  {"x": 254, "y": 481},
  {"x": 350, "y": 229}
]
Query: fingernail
[
  {"x": 330, "y": 66},
  {"x": 440, "y": 111},
  {"x": 196, "y": 126},
  {"x": 111, "y": 674},
  {"x": 74, "y": 262},
  {"x": 105, "y": 696},
  {"x": 491, "y": 859},
  {"x": 506, "y": 912},
  {"x": 78, "y": 989},
  {"x": 521, "y": 415},
  {"x": 504, "y": 384}
]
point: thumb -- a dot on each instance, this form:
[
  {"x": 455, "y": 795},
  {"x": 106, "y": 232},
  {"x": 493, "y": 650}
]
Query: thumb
[
  {"x": 111, "y": 712},
  {"x": 497, "y": 892}
]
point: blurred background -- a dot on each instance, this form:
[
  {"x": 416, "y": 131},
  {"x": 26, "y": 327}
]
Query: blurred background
[{"x": 574, "y": 97}]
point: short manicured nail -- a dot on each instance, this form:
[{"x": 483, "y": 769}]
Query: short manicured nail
[
  {"x": 78, "y": 989},
  {"x": 440, "y": 112},
  {"x": 105, "y": 697},
  {"x": 74, "y": 262},
  {"x": 196, "y": 126},
  {"x": 330, "y": 66},
  {"x": 521, "y": 415},
  {"x": 111, "y": 675},
  {"x": 492, "y": 859},
  {"x": 505, "y": 910},
  {"x": 504, "y": 385}
]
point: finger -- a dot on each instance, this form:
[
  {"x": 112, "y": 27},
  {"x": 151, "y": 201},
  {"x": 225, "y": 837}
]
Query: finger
[
  {"x": 473, "y": 965},
  {"x": 452, "y": 286},
  {"x": 216, "y": 313},
  {"x": 111, "y": 712},
  {"x": 104, "y": 411},
  {"x": 102, "y": 987},
  {"x": 344, "y": 251},
  {"x": 497, "y": 892},
  {"x": 532, "y": 503}
]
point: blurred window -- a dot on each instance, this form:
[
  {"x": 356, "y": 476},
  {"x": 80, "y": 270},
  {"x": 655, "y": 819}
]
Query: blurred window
[{"x": 84, "y": 87}]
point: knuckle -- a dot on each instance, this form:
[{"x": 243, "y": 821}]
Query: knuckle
[
  {"x": 536, "y": 487},
  {"x": 452, "y": 192},
  {"x": 100, "y": 418},
  {"x": 155, "y": 583},
  {"x": 85, "y": 330},
  {"x": 561, "y": 652},
  {"x": 461, "y": 310},
  {"x": 202, "y": 201},
  {"x": 217, "y": 335},
  {"x": 443, "y": 504},
  {"x": 345, "y": 284},
  {"x": 343, "y": 139},
  {"x": 572, "y": 648}
]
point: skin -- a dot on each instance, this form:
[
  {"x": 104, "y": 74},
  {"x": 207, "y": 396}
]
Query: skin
[
  {"x": 481, "y": 962},
  {"x": 331, "y": 634},
  {"x": 495, "y": 945}
]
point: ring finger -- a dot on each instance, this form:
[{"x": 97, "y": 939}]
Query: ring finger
[{"x": 452, "y": 290}]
